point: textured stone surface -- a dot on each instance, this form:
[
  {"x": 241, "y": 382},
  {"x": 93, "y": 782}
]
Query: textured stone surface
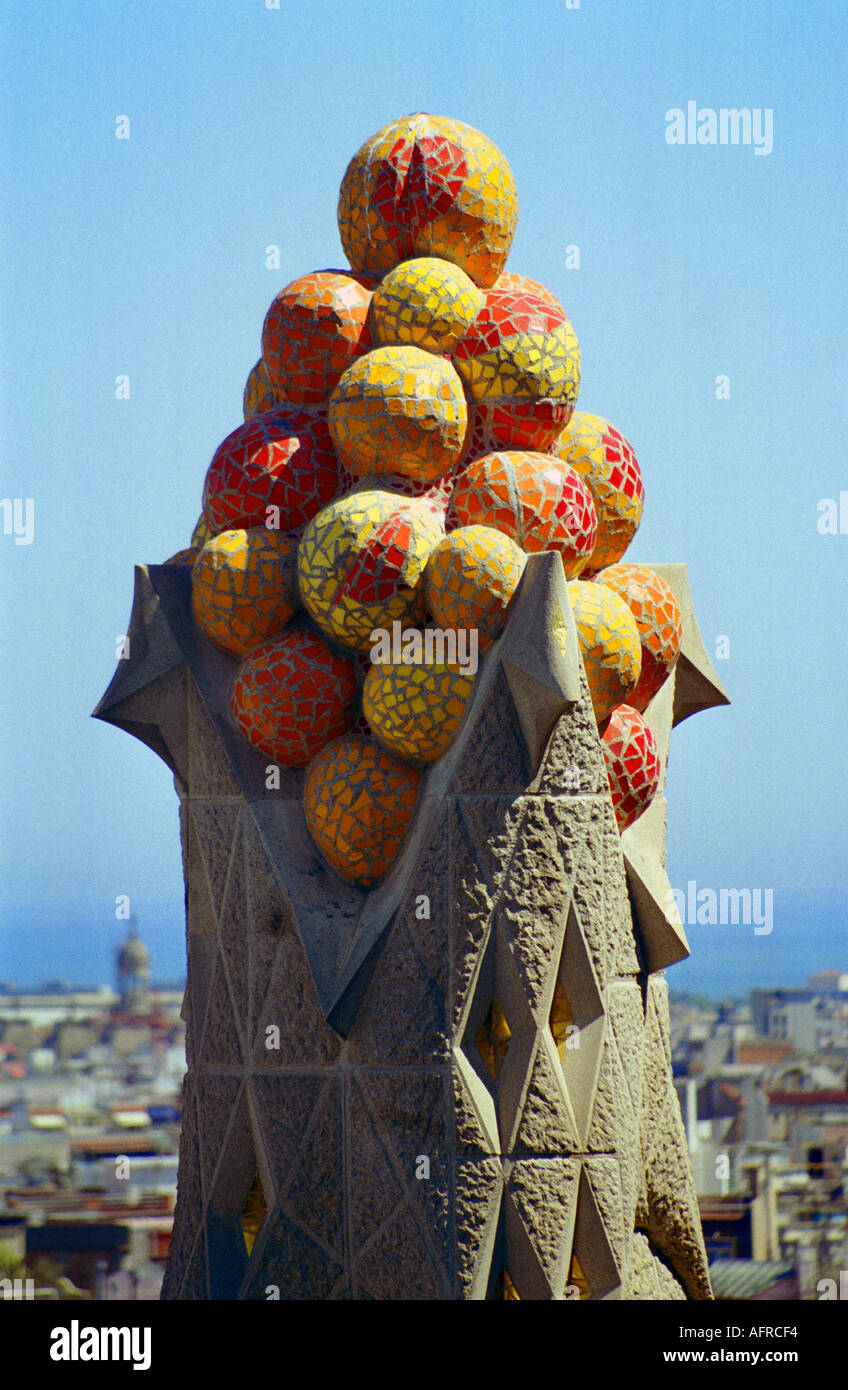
[{"x": 396, "y": 1161}]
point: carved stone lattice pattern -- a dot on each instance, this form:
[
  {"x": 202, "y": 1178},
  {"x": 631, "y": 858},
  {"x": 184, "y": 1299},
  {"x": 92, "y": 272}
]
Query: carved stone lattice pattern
[{"x": 456, "y": 1085}]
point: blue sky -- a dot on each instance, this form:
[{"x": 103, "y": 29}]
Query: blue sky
[{"x": 146, "y": 257}]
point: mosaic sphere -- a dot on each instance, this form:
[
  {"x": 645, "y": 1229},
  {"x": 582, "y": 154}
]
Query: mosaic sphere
[
  {"x": 533, "y": 498},
  {"x": 361, "y": 561},
  {"x": 416, "y": 709},
  {"x": 279, "y": 467},
  {"x": 658, "y": 618},
  {"x": 609, "y": 644},
  {"x": 399, "y": 410},
  {"x": 470, "y": 579},
  {"x": 425, "y": 303},
  {"x": 244, "y": 587},
  {"x": 259, "y": 395},
  {"x": 633, "y": 764},
  {"x": 292, "y": 695},
  {"x": 313, "y": 330},
  {"x": 359, "y": 800},
  {"x": 524, "y": 284},
  {"x": 428, "y": 186},
  {"x": 605, "y": 459},
  {"x": 522, "y": 353},
  {"x": 496, "y": 425}
]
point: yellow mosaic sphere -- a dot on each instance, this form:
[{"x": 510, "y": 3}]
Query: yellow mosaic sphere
[
  {"x": 259, "y": 394},
  {"x": 399, "y": 410},
  {"x": 244, "y": 587},
  {"x": 361, "y": 561},
  {"x": 359, "y": 801},
  {"x": 425, "y": 303},
  {"x": 416, "y": 710},
  {"x": 470, "y": 579},
  {"x": 428, "y": 186},
  {"x": 608, "y": 463},
  {"x": 609, "y": 644}
]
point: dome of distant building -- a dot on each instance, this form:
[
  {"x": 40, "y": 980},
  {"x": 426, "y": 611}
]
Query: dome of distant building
[{"x": 133, "y": 956}]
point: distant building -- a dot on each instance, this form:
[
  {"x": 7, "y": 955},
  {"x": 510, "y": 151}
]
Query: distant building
[
  {"x": 786, "y": 1014},
  {"x": 829, "y": 982},
  {"x": 134, "y": 975}
]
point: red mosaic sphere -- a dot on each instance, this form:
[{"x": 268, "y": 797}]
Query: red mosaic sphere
[
  {"x": 292, "y": 695},
  {"x": 275, "y": 470},
  {"x": 534, "y": 498},
  {"x": 658, "y": 618},
  {"x": 521, "y": 358},
  {"x": 313, "y": 330},
  {"x": 633, "y": 764},
  {"x": 525, "y": 284}
]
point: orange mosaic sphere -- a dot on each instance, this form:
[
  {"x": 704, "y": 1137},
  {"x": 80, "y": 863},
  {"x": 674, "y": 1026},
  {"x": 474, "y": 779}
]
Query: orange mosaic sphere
[
  {"x": 259, "y": 395},
  {"x": 244, "y": 587},
  {"x": 605, "y": 459},
  {"x": 313, "y": 330},
  {"x": 633, "y": 764},
  {"x": 470, "y": 579},
  {"x": 428, "y": 186},
  {"x": 187, "y": 556},
  {"x": 292, "y": 695},
  {"x": 609, "y": 645},
  {"x": 533, "y": 498},
  {"x": 359, "y": 800},
  {"x": 658, "y": 618},
  {"x": 399, "y": 410}
]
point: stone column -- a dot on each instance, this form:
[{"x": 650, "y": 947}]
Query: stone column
[{"x": 457, "y": 1085}]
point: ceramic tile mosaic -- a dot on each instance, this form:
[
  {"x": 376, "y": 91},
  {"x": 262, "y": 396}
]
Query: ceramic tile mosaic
[
  {"x": 597, "y": 450},
  {"x": 292, "y": 695},
  {"x": 633, "y": 764},
  {"x": 428, "y": 186},
  {"x": 358, "y": 801},
  {"x": 314, "y": 329},
  {"x": 426, "y": 303},
  {"x": 524, "y": 284},
  {"x": 282, "y": 459},
  {"x": 399, "y": 410},
  {"x": 530, "y": 497},
  {"x": 361, "y": 563},
  {"x": 416, "y": 710},
  {"x": 522, "y": 352},
  {"x": 244, "y": 587},
  {"x": 658, "y": 619},
  {"x": 259, "y": 395},
  {"x": 470, "y": 578},
  {"x": 609, "y": 644}
]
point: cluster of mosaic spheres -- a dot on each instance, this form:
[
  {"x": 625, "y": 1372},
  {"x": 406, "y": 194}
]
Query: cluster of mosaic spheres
[{"x": 409, "y": 436}]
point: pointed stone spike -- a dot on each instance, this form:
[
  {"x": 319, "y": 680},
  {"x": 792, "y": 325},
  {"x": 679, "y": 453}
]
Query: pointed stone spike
[
  {"x": 658, "y": 923},
  {"x": 539, "y": 651},
  {"x": 696, "y": 685}
]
